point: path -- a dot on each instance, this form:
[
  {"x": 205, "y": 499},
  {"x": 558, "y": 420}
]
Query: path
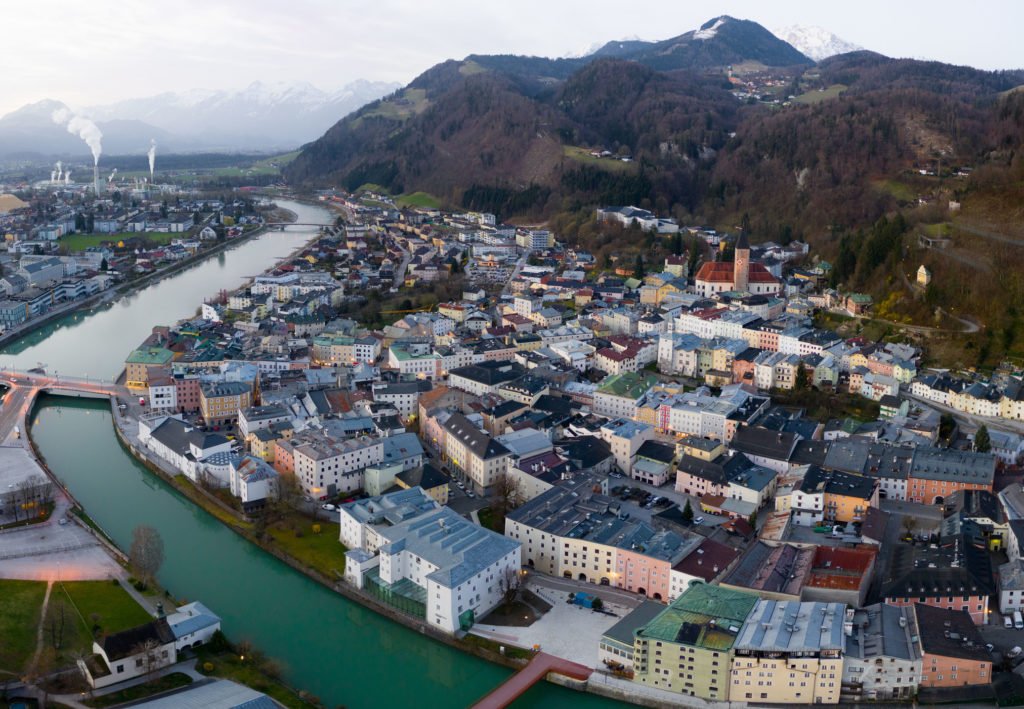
[
  {"x": 39, "y": 631},
  {"x": 186, "y": 667}
]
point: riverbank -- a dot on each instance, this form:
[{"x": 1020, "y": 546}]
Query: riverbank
[{"x": 125, "y": 289}]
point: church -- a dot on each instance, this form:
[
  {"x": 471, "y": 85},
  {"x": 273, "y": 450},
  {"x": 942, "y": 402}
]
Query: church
[{"x": 740, "y": 276}]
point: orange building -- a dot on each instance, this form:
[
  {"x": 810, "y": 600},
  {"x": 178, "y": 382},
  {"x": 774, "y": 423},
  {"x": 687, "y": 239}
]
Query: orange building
[
  {"x": 936, "y": 473},
  {"x": 953, "y": 652}
]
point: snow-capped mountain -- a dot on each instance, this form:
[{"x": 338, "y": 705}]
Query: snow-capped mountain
[
  {"x": 261, "y": 116},
  {"x": 815, "y": 42}
]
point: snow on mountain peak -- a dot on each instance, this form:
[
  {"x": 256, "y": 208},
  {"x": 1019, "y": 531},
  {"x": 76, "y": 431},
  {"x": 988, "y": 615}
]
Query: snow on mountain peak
[
  {"x": 815, "y": 42},
  {"x": 709, "y": 32}
]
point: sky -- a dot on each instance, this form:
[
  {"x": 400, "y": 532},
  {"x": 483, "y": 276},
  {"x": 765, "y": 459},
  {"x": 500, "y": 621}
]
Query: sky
[{"x": 93, "y": 52}]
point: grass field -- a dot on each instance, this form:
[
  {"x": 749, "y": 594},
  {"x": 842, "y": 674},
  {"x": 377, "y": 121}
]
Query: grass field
[
  {"x": 418, "y": 199},
  {"x": 899, "y": 190},
  {"x": 372, "y": 187},
  {"x": 411, "y": 102},
  {"x": 582, "y": 155},
  {"x": 20, "y": 604},
  {"x": 938, "y": 230},
  {"x": 322, "y": 551},
  {"x": 116, "y": 609},
  {"x": 817, "y": 96},
  {"x": 80, "y": 242},
  {"x": 252, "y": 674}
]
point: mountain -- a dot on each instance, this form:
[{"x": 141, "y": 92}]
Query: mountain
[
  {"x": 718, "y": 42},
  {"x": 506, "y": 124},
  {"x": 30, "y": 130},
  {"x": 815, "y": 42},
  {"x": 261, "y": 116}
]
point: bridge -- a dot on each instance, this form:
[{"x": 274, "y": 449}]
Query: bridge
[
  {"x": 537, "y": 669},
  {"x": 282, "y": 225},
  {"x": 25, "y": 386}
]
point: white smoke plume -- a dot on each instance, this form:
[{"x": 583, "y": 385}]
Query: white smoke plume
[
  {"x": 60, "y": 170},
  {"x": 84, "y": 129},
  {"x": 152, "y": 157},
  {"x": 53, "y": 176},
  {"x": 67, "y": 177},
  {"x": 111, "y": 178}
]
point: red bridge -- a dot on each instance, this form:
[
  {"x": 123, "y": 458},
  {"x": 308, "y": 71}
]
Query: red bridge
[{"x": 517, "y": 684}]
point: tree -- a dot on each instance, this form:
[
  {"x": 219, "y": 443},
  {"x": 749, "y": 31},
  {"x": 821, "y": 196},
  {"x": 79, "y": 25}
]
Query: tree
[
  {"x": 639, "y": 271},
  {"x": 597, "y": 604},
  {"x": 146, "y": 554},
  {"x": 509, "y": 583},
  {"x": 508, "y": 493},
  {"x": 982, "y": 440},
  {"x": 803, "y": 382},
  {"x": 55, "y": 624},
  {"x": 909, "y": 524},
  {"x": 152, "y": 657},
  {"x": 104, "y": 266},
  {"x": 687, "y": 513}
]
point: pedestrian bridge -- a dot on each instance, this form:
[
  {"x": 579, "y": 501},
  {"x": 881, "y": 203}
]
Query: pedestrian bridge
[{"x": 537, "y": 669}]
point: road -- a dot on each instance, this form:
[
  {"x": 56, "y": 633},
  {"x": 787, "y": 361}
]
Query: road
[
  {"x": 400, "y": 272},
  {"x": 515, "y": 272},
  {"x": 970, "y": 422}
]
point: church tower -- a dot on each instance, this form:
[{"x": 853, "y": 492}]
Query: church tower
[{"x": 741, "y": 264}]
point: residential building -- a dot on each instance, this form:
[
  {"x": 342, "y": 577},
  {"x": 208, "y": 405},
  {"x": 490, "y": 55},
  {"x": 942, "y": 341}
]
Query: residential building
[
  {"x": 790, "y": 652},
  {"x": 882, "y": 661},
  {"x": 688, "y": 647},
  {"x": 479, "y": 456},
  {"x": 953, "y": 652}
]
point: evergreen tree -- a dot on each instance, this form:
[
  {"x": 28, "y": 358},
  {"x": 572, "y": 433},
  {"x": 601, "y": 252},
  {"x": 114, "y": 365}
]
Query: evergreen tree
[
  {"x": 687, "y": 513},
  {"x": 982, "y": 441},
  {"x": 803, "y": 381},
  {"x": 639, "y": 270}
]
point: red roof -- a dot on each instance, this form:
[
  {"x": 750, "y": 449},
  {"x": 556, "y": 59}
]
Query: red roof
[
  {"x": 703, "y": 560},
  {"x": 716, "y": 272},
  {"x": 840, "y": 568}
]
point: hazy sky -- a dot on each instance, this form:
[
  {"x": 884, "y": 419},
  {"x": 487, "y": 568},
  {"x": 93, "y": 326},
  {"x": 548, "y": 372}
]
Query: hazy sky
[{"x": 97, "y": 51}]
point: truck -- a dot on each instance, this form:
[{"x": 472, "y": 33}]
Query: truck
[{"x": 1018, "y": 620}]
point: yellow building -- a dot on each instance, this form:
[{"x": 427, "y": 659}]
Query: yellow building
[
  {"x": 790, "y": 652},
  {"x": 220, "y": 402},
  {"x": 688, "y": 647},
  {"x": 138, "y": 363}
]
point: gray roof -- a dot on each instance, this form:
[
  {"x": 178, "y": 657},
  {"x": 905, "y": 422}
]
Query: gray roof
[
  {"x": 401, "y": 447},
  {"x": 179, "y": 436},
  {"x": 444, "y": 538},
  {"x": 479, "y": 443},
  {"x": 877, "y": 633},
  {"x": 190, "y": 618},
  {"x": 793, "y": 626},
  {"x": 622, "y": 631},
  {"x": 391, "y": 508},
  {"x": 211, "y": 694}
]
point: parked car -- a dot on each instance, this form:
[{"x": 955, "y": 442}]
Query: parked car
[
  {"x": 329, "y": 507},
  {"x": 698, "y": 520},
  {"x": 1014, "y": 652},
  {"x": 1007, "y": 621},
  {"x": 470, "y": 493}
]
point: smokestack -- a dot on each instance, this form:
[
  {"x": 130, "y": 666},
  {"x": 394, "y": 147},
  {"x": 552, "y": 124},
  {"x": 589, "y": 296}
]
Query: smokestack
[
  {"x": 96, "y": 179},
  {"x": 152, "y": 158}
]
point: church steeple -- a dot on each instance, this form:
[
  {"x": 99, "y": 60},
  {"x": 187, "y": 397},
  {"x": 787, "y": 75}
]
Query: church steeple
[{"x": 741, "y": 264}]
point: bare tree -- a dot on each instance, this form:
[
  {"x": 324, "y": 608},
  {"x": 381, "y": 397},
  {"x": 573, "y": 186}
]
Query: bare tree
[
  {"x": 508, "y": 493},
  {"x": 909, "y": 524},
  {"x": 55, "y": 624},
  {"x": 509, "y": 583},
  {"x": 147, "y": 553},
  {"x": 150, "y": 656}
]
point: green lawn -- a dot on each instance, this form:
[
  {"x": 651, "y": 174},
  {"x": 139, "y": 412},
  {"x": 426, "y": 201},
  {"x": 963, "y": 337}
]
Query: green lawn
[
  {"x": 80, "y": 242},
  {"x": 116, "y": 609},
  {"x": 141, "y": 691},
  {"x": 20, "y": 604},
  {"x": 418, "y": 199},
  {"x": 899, "y": 190},
  {"x": 411, "y": 102},
  {"x": 582, "y": 155},
  {"x": 322, "y": 551},
  {"x": 252, "y": 674},
  {"x": 816, "y": 96}
]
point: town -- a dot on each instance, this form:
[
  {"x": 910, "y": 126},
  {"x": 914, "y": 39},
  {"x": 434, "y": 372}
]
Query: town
[{"x": 743, "y": 501}]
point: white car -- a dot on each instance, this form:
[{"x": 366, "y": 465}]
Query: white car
[
  {"x": 698, "y": 520},
  {"x": 329, "y": 507}
]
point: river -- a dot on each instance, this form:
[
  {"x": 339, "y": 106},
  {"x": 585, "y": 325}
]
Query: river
[{"x": 336, "y": 649}]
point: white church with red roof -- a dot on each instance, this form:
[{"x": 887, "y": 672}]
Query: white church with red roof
[{"x": 740, "y": 276}]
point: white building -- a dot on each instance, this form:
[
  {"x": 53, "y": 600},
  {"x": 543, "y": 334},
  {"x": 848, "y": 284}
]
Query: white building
[
  {"x": 463, "y": 569},
  {"x": 325, "y": 467}
]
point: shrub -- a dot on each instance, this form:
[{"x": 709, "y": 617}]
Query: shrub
[
  {"x": 299, "y": 534},
  {"x": 207, "y": 667}
]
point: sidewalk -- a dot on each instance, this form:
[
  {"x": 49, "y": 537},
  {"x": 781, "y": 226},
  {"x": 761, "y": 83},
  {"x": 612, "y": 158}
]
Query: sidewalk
[{"x": 187, "y": 667}]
